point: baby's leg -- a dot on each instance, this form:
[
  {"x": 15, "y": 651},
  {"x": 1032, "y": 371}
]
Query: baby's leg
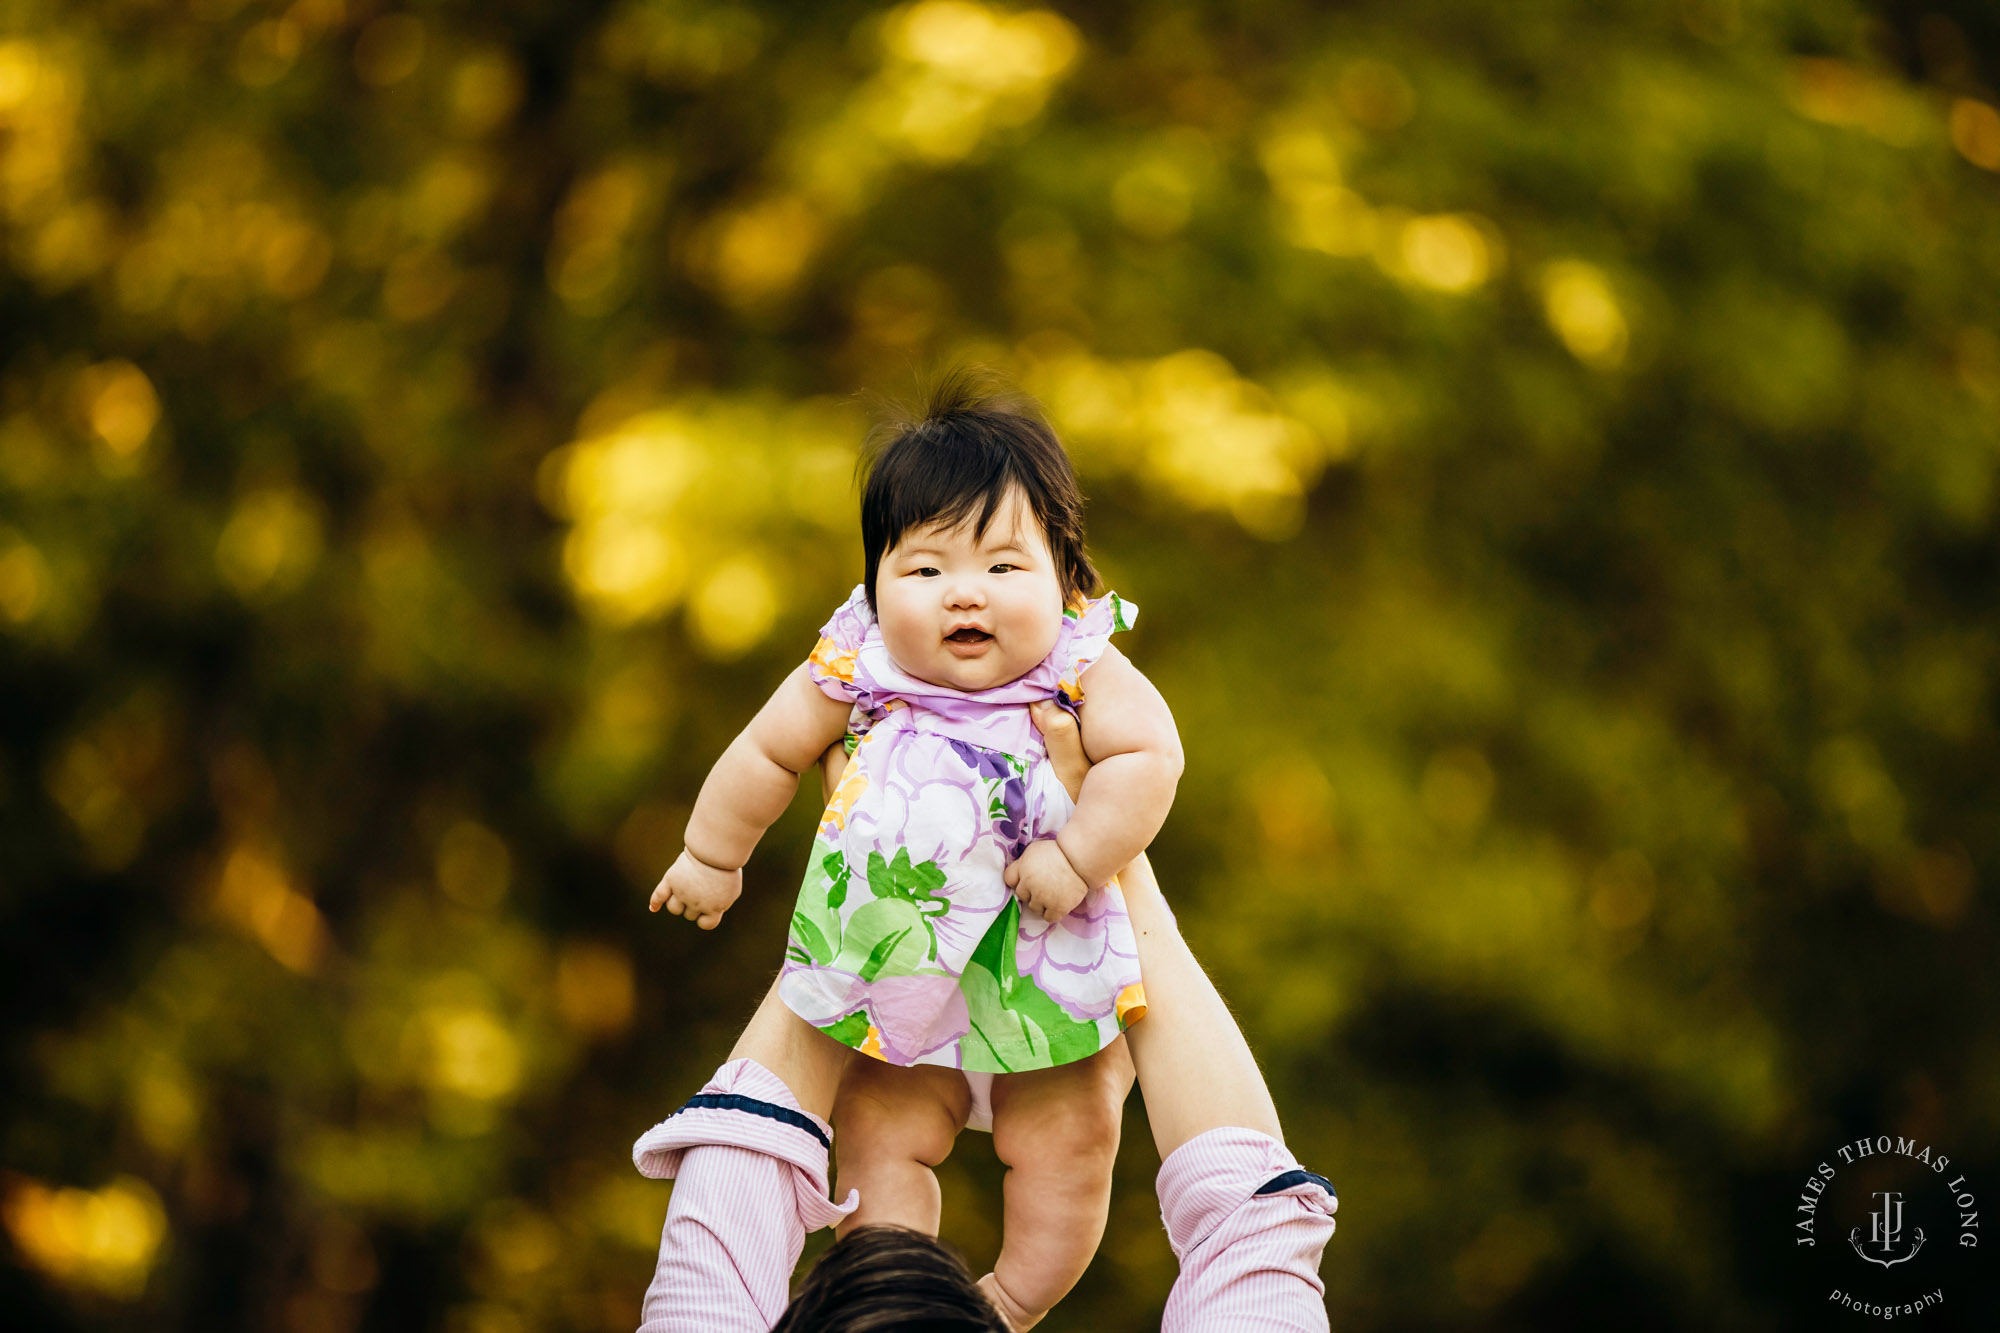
[
  {"x": 1056, "y": 1130},
  {"x": 891, "y": 1126}
]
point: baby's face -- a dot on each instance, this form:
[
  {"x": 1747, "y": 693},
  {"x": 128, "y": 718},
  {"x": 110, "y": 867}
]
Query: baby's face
[{"x": 970, "y": 613}]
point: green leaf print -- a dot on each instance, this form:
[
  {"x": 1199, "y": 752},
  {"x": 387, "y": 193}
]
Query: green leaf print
[
  {"x": 887, "y": 937},
  {"x": 816, "y": 923},
  {"x": 897, "y": 880},
  {"x": 811, "y": 939},
  {"x": 851, "y": 1030},
  {"x": 1015, "y": 1025},
  {"x": 879, "y": 956},
  {"x": 835, "y": 867}
]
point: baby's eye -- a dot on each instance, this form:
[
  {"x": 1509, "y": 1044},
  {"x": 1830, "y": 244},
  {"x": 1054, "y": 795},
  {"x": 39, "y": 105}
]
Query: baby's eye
[
  {"x": 927, "y": 572},
  {"x": 1001, "y": 569}
]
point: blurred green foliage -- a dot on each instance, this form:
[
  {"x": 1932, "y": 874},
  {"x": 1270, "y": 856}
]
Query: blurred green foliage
[{"x": 1554, "y": 445}]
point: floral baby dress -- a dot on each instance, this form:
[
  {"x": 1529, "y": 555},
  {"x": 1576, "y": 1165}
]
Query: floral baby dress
[{"x": 907, "y": 943}]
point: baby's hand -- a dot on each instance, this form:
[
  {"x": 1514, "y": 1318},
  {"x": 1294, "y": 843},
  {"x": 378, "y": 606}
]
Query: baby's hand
[
  {"x": 697, "y": 891},
  {"x": 1043, "y": 880}
]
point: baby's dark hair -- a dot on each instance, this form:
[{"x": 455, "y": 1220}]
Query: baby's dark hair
[{"x": 975, "y": 438}]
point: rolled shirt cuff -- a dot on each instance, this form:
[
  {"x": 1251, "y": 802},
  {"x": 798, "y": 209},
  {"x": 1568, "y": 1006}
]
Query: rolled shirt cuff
[{"x": 747, "y": 1106}]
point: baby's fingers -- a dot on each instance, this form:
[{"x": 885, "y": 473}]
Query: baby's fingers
[{"x": 709, "y": 920}]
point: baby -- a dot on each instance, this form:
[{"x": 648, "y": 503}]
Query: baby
[{"x": 959, "y": 921}]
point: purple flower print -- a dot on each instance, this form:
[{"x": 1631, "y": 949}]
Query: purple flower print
[
  {"x": 1011, "y": 825},
  {"x": 1077, "y": 961},
  {"x": 916, "y": 1015},
  {"x": 986, "y": 763},
  {"x": 912, "y": 1015}
]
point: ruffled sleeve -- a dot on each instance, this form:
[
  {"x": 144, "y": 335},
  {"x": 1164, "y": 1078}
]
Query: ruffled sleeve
[
  {"x": 1089, "y": 629},
  {"x": 834, "y": 663}
]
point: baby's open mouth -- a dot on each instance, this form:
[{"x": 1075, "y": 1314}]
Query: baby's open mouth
[{"x": 967, "y": 635}]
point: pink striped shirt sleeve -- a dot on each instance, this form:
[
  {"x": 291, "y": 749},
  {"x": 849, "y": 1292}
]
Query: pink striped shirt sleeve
[
  {"x": 749, "y": 1168},
  {"x": 1248, "y": 1225}
]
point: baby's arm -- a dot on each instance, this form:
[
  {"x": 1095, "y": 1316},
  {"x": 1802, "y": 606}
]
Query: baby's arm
[
  {"x": 749, "y": 787},
  {"x": 1135, "y": 754},
  {"x": 1135, "y": 750}
]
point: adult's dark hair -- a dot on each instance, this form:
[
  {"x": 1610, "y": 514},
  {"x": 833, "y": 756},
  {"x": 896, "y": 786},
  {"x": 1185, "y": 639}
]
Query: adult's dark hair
[
  {"x": 974, "y": 441},
  {"x": 879, "y": 1278}
]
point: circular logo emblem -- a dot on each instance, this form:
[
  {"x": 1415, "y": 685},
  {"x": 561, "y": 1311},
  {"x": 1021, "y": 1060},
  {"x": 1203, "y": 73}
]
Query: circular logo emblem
[{"x": 1887, "y": 1228}]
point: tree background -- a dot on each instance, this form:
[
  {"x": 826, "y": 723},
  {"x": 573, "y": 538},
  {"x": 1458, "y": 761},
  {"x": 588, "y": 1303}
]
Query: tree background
[{"x": 1554, "y": 448}]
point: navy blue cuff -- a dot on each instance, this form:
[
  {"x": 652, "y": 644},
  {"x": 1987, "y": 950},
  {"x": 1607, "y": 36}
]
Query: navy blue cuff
[
  {"x": 1278, "y": 1184},
  {"x": 784, "y": 1115}
]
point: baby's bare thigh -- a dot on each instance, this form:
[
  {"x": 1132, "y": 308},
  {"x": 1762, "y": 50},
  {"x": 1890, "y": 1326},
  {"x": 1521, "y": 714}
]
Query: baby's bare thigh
[
  {"x": 914, "y": 1111},
  {"x": 1071, "y": 1111}
]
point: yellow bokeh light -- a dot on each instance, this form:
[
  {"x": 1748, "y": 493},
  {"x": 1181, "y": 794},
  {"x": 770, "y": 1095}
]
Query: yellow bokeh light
[
  {"x": 734, "y": 607},
  {"x": 755, "y": 253},
  {"x": 594, "y": 988},
  {"x": 254, "y": 892},
  {"x": 983, "y": 46},
  {"x": 24, "y": 579},
  {"x": 1975, "y": 132},
  {"x": 106, "y": 1239},
  {"x": 20, "y": 67},
  {"x": 271, "y": 542},
  {"x": 464, "y": 1049},
  {"x": 626, "y": 569},
  {"x": 957, "y": 70},
  {"x": 1189, "y": 425},
  {"x": 671, "y": 501},
  {"x": 1584, "y": 313},
  {"x": 120, "y": 405},
  {"x": 88, "y": 779},
  {"x": 1446, "y": 251},
  {"x": 586, "y": 259},
  {"x": 1839, "y": 92},
  {"x": 485, "y": 90},
  {"x": 449, "y": 195},
  {"x": 294, "y": 258}
]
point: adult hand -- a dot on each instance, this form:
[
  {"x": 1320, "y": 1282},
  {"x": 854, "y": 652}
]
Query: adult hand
[
  {"x": 1064, "y": 741},
  {"x": 831, "y": 765}
]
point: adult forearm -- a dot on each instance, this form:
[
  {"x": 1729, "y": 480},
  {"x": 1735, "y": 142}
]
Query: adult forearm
[
  {"x": 1124, "y": 801},
  {"x": 807, "y": 1060},
  {"x": 1195, "y": 1068},
  {"x": 743, "y": 795}
]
